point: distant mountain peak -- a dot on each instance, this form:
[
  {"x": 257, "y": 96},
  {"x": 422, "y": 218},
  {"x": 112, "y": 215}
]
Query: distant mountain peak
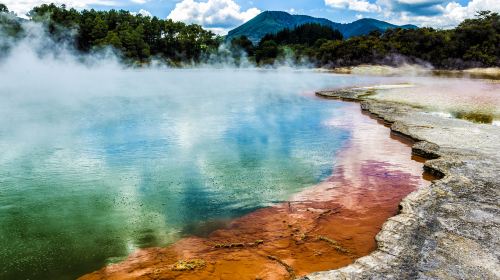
[{"x": 275, "y": 21}]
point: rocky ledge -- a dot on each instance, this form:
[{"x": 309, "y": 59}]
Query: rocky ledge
[{"x": 450, "y": 230}]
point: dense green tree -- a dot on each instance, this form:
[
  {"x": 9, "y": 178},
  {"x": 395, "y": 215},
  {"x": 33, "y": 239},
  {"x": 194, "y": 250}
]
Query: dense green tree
[
  {"x": 3, "y": 8},
  {"x": 242, "y": 44},
  {"x": 306, "y": 34},
  {"x": 137, "y": 38},
  {"x": 477, "y": 40},
  {"x": 9, "y": 25},
  {"x": 473, "y": 43},
  {"x": 267, "y": 52},
  {"x": 297, "y": 43}
]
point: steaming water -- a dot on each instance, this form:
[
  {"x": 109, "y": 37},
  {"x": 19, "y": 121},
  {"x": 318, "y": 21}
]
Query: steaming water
[{"x": 100, "y": 163}]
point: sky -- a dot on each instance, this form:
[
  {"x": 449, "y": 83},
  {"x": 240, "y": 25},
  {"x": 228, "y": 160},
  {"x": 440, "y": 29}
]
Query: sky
[{"x": 221, "y": 16}]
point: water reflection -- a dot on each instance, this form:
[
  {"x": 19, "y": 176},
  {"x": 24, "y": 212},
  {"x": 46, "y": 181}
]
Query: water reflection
[
  {"x": 142, "y": 158},
  {"x": 325, "y": 226}
]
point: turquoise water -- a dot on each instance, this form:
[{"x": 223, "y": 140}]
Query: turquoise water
[{"x": 96, "y": 165}]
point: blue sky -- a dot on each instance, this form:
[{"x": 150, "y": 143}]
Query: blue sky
[{"x": 223, "y": 15}]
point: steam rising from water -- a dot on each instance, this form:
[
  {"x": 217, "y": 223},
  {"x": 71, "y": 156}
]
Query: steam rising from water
[{"x": 98, "y": 159}]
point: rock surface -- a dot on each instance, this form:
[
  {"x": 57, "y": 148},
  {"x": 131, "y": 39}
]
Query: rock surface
[{"x": 450, "y": 230}]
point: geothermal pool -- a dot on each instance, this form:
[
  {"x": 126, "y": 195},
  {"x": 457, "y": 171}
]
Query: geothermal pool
[
  {"x": 98, "y": 163},
  {"x": 321, "y": 227}
]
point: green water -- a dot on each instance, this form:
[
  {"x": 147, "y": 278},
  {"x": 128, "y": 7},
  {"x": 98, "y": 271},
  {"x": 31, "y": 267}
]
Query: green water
[{"x": 94, "y": 167}]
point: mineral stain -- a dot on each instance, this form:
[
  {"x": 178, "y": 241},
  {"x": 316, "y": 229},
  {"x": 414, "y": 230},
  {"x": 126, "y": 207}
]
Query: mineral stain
[{"x": 323, "y": 227}]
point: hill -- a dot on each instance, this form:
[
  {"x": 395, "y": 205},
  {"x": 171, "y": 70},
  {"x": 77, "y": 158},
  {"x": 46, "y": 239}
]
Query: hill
[{"x": 274, "y": 21}]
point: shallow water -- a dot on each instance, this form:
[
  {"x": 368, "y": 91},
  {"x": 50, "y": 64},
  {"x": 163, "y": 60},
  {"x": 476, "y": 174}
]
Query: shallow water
[
  {"x": 97, "y": 166},
  {"x": 322, "y": 227}
]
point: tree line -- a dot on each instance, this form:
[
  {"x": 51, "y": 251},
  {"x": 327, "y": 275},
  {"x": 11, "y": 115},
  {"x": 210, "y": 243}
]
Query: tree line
[
  {"x": 139, "y": 39},
  {"x": 473, "y": 43},
  {"x": 136, "y": 38}
]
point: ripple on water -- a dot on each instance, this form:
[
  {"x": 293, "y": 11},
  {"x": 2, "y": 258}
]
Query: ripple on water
[{"x": 322, "y": 227}]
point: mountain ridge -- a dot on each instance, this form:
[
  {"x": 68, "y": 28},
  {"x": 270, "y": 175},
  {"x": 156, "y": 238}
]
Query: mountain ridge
[{"x": 275, "y": 21}]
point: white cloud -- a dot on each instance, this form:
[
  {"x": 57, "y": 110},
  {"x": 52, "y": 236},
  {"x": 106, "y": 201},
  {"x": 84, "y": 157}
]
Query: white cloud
[
  {"x": 213, "y": 14},
  {"x": 433, "y": 13},
  {"x": 417, "y": 2},
  {"x": 21, "y": 7},
  {"x": 218, "y": 30},
  {"x": 139, "y": 1},
  {"x": 355, "y": 5},
  {"x": 143, "y": 13},
  {"x": 450, "y": 15}
]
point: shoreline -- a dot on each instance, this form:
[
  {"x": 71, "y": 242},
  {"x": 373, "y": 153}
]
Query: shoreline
[
  {"x": 324, "y": 226},
  {"x": 450, "y": 229},
  {"x": 417, "y": 70}
]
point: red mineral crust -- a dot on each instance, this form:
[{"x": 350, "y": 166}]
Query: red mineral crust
[{"x": 326, "y": 226}]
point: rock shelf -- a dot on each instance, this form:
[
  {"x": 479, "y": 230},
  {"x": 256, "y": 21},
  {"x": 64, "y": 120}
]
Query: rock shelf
[{"x": 450, "y": 230}]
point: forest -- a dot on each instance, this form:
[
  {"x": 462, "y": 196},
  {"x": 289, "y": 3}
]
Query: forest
[
  {"x": 139, "y": 39},
  {"x": 473, "y": 43},
  {"x": 136, "y": 38}
]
